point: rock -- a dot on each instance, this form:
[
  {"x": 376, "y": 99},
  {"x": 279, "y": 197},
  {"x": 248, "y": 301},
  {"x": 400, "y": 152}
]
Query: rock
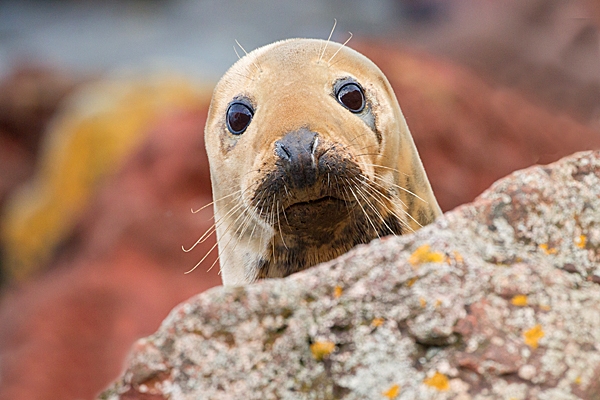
[
  {"x": 498, "y": 299},
  {"x": 65, "y": 334},
  {"x": 29, "y": 96},
  {"x": 469, "y": 133},
  {"x": 118, "y": 269},
  {"x": 94, "y": 133}
]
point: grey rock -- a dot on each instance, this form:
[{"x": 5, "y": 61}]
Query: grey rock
[{"x": 498, "y": 299}]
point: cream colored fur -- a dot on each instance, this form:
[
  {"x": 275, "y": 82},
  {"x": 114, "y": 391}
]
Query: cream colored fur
[{"x": 290, "y": 82}]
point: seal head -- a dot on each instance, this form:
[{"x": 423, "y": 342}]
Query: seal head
[{"x": 309, "y": 156}]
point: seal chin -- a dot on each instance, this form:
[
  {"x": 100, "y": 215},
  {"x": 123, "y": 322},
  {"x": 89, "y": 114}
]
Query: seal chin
[{"x": 324, "y": 212}]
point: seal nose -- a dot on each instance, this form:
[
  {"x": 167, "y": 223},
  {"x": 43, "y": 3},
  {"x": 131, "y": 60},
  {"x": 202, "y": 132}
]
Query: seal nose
[{"x": 296, "y": 150}]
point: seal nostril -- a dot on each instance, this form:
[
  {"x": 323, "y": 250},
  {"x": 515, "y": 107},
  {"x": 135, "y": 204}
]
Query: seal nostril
[
  {"x": 282, "y": 152},
  {"x": 297, "y": 145},
  {"x": 297, "y": 151}
]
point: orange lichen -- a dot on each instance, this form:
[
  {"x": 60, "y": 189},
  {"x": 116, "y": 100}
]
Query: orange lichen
[
  {"x": 438, "y": 381},
  {"x": 337, "y": 292},
  {"x": 423, "y": 254},
  {"x": 578, "y": 380},
  {"x": 320, "y": 350},
  {"x": 392, "y": 392},
  {"x": 458, "y": 257},
  {"x": 411, "y": 281},
  {"x": 519, "y": 300},
  {"x": 377, "y": 322},
  {"x": 533, "y": 335},
  {"x": 423, "y": 302},
  {"x": 547, "y": 249},
  {"x": 581, "y": 241},
  {"x": 437, "y": 303}
]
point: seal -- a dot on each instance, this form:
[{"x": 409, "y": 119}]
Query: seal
[{"x": 309, "y": 156}]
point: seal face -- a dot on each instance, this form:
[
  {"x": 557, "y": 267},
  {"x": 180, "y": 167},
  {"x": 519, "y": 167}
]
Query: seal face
[{"x": 309, "y": 156}]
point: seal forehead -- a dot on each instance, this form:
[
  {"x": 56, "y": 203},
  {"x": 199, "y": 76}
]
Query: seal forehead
[{"x": 293, "y": 57}]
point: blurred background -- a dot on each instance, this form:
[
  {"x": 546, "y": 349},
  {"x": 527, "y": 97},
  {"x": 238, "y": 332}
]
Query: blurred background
[{"x": 102, "y": 111}]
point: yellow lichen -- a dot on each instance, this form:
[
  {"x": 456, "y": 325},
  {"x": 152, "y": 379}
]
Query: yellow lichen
[
  {"x": 423, "y": 302},
  {"x": 320, "y": 350},
  {"x": 533, "y": 335},
  {"x": 438, "y": 381},
  {"x": 519, "y": 300},
  {"x": 578, "y": 380},
  {"x": 392, "y": 392},
  {"x": 423, "y": 254},
  {"x": 377, "y": 322},
  {"x": 88, "y": 140},
  {"x": 581, "y": 241},
  {"x": 411, "y": 281},
  {"x": 337, "y": 292},
  {"x": 547, "y": 249},
  {"x": 437, "y": 303}
]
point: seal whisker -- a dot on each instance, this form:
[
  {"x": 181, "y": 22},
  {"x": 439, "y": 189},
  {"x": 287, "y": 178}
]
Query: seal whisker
[
  {"x": 366, "y": 154},
  {"x": 214, "y": 263},
  {"x": 236, "y": 52},
  {"x": 385, "y": 167},
  {"x": 245, "y": 52},
  {"x": 341, "y": 47},
  {"x": 328, "y": 39},
  {"x": 402, "y": 209},
  {"x": 376, "y": 193},
  {"x": 279, "y": 226},
  {"x": 203, "y": 258},
  {"x": 361, "y": 191},
  {"x": 404, "y": 189},
  {"x": 215, "y": 201},
  {"x": 210, "y": 251},
  {"x": 362, "y": 208},
  {"x": 212, "y": 228}
]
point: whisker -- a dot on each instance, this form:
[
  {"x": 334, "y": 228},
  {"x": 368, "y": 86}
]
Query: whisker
[
  {"x": 212, "y": 228},
  {"x": 406, "y": 190},
  {"x": 341, "y": 47},
  {"x": 385, "y": 167},
  {"x": 203, "y": 258},
  {"x": 245, "y": 52},
  {"x": 279, "y": 226},
  {"x": 362, "y": 208},
  {"x": 215, "y": 201},
  {"x": 328, "y": 39},
  {"x": 372, "y": 206},
  {"x": 375, "y": 184}
]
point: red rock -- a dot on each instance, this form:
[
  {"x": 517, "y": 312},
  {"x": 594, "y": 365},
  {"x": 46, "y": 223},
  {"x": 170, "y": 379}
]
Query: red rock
[
  {"x": 65, "y": 334},
  {"x": 468, "y": 133},
  {"x": 29, "y": 96}
]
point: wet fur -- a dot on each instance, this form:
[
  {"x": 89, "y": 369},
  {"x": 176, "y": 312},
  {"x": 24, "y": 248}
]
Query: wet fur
[{"x": 365, "y": 163}]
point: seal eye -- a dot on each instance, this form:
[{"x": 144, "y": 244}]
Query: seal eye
[
  {"x": 238, "y": 118},
  {"x": 352, "y": 97}
]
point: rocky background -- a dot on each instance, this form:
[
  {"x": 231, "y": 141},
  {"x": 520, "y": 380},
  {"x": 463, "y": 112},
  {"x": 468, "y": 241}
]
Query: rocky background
[
  {"x": 99, "y": 172},
  {"x": 497, "y": 299}
]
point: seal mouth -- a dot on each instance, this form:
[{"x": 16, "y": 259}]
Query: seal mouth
[
  {"x": 324, "y": 211},
  {"x": 316, "y": 202}
]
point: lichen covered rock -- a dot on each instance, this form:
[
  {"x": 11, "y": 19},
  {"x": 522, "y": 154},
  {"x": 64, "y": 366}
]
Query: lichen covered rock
[{"x": 498, "y": 299}]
